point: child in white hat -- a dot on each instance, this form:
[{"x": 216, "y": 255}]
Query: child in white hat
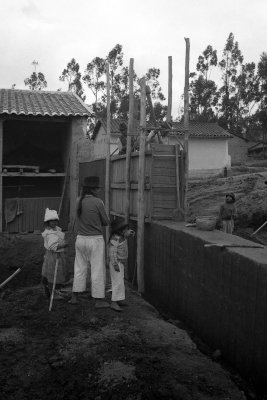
[{"x": 54, "y": 243}]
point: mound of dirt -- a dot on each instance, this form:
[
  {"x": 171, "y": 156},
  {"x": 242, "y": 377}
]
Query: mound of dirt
[{"x": 206, "y": 196}]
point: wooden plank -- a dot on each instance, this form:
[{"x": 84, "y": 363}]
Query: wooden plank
[
  {"x": 163, "y": 179},
  {"x": 141, "y": 197},
  {"x": 22, "y": 166},
  {"x": 168, "y": 161},
  {"x": 134, "y": 186},
  {"x": 33, "y": 174},
  {"x": 129, "y": 140},
  {"x": 162, "y": 149},
  {"x": 186, "y": 124},
  {"x": 177, "y": 151},
  {"x": 1, "y": 179},
  {"x": 167, "y": 196},
  {"x": 164, "y": 156},
  {"x": 164, "y": 172},
  {"x": 107, "y": 180},
  {"x": 164, "y": 204},
  {"x": 163, "y": 186},
  {"x": 169, "y": 111}
]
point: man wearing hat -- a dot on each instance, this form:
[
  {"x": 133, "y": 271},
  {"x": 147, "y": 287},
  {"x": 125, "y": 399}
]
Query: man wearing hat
[{"x": 90, "y": 246}]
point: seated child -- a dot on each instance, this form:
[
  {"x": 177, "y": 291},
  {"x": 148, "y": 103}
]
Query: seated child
[
  {"x": 118, "y": 256},
  {"x": 228, "y": 213},
  {"x": 54, "y": 244}
]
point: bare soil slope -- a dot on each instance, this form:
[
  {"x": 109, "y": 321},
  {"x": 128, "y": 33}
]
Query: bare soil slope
[
  {"x": 78, "y": 352},
  {"x": 205, "y": 197}
]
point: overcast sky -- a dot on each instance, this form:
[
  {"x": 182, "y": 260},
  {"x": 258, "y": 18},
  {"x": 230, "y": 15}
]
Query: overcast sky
[{"x": 54, "y": 31}]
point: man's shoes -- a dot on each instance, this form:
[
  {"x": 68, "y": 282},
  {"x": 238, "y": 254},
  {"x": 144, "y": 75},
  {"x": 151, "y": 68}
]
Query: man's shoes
[
  {"x": 123, "y": 303},
  {"x": 101, "y": 304},
  {"x": 115, "y": 306}
]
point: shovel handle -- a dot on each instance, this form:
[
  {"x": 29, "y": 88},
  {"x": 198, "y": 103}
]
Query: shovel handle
[
  {"x": 10, "y": 277},
  {"x": 54, "y": 285}
]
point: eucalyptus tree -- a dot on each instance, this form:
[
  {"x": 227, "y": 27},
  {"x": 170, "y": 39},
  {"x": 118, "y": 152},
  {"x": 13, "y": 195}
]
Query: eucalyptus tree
[
  {"x": 71, "y": 74},
  {"x": 36, "y": 81}
]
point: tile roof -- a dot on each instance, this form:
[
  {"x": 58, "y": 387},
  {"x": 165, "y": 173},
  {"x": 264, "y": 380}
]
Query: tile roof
[
  {"x": 201, "y": 130},
  {"x": 41, "y": 103}
]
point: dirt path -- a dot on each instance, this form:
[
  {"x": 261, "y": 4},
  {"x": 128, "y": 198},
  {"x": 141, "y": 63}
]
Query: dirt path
[{"x": 77, "y": 352}]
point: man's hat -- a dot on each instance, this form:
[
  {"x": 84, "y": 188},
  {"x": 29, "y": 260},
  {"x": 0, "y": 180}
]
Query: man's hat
[
  {"x": 118, "y": 224},
  {"x": 91, "y": 182}
]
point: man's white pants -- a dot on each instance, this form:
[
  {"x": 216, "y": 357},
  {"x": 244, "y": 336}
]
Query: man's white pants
[
  {"x": 90, "y": 250},
  {"x": 117, "y": 283}
]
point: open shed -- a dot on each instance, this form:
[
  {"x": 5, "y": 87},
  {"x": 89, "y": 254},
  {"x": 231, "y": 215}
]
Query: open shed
[{"x": 39, "y": 134}]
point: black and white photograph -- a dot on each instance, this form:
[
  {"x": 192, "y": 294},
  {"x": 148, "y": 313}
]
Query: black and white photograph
[{"x": 133, "y": 200}]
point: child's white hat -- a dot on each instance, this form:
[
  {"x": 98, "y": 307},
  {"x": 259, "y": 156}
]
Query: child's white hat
[{"x": 50, "y": 215}]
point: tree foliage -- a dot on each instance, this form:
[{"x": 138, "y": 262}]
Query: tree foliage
[
  {"x": 72, "y": 76},
  {"x": 239, "y": 101},
  {"x": 203, "y": 91},
  {"x": 206, "y": 61},
  {"x": 36, "y": 81},
  {"x": 95, "y": 79}
]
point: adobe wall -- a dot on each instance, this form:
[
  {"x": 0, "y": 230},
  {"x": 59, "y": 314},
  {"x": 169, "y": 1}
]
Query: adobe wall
[
  {"x": 238, "y": 150},
  {"x": 220, "y": 293}
]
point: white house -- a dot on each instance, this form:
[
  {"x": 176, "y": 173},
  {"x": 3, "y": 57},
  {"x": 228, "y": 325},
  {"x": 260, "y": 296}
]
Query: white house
[
  {"x": 99, "y": 137},
  {"x": 207, "y": 147}
]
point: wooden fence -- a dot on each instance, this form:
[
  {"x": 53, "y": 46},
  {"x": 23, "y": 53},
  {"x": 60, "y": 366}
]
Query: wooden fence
[
  {"x": 164, "y": 182},
  {"x": 31, "y": 215}
]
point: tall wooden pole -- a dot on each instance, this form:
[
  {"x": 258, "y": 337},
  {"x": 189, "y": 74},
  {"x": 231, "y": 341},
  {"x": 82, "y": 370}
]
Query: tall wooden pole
[
  {"x": 107, "y": 180},
  {"x": 141, "y": 191},
  {"x": 1, "y": 178},
  {"x": 129, "y": 141},
  {"x": 186, "y": 123},
  {"x": 169, "y": 111}
]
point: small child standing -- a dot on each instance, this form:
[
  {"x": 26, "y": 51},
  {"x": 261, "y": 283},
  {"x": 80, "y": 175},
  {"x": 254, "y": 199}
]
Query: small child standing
[
  {"x": 228, "y": 213},
  {"x": 118, "y": 256},
  {"x": 54, "y": 243}
]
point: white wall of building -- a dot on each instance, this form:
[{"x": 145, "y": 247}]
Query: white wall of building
[
  {"x": 207, "y": 157},
  {"x": 208, "y": 154},
  {"x": 99, "y": 144}
]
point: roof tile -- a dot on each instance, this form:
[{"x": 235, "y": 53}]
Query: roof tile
[
  {"x": 41, "y": 103},
  {"x": 201, "y": 130}
]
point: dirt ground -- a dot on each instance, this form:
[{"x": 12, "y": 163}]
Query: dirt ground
[
  {"x": 79, "y": 352},
  {"x": 206, "y": 196}
]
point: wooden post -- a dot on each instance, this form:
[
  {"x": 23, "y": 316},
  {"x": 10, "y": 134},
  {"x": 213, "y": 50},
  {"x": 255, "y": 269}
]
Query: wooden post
[
  {"x": 141, "y": 191},
  {"x": 169, "y": 112},
  {"x": 129, "y": 141},
  {"x": 186, "y": 123},
  {"x": 107, "y": 179},
  {"x": 177, "y": 151},
  {"x": 1, "y": 178}
]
